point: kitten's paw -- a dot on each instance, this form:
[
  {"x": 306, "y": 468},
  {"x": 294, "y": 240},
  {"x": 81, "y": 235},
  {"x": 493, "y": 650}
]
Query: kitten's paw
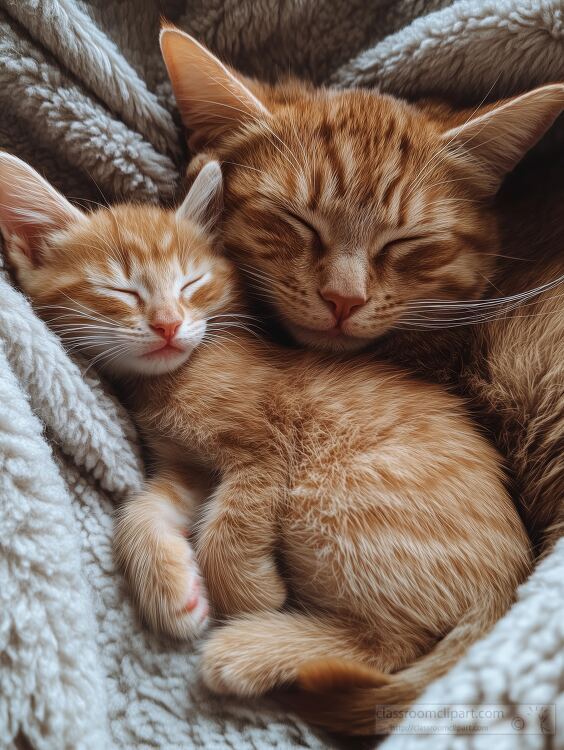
[
  {"x": 163, "y": 574},
  {"x": 191, "y": 618},
  {"x": 173, "y": 600}
]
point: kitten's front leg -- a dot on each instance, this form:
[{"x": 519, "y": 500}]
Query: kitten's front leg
[
  {"x": 156, "y": 557},
  {"x": 236, "y": 544}
]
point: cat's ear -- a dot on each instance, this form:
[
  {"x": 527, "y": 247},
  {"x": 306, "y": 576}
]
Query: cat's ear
[
  {"x": 501, "y": 136},
  {"x": 204, "y": 201},
  {"x": 30, "y": 209},
  {"x": 211, "y": 97}
]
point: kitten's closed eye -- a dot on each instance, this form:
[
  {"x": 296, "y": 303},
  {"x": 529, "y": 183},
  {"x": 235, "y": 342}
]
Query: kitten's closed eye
[
  {"x": 191, "y": 282},
  {"x": 132, "y": 294}
]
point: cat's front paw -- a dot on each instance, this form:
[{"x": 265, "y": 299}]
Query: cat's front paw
[{"x": 161, "y": 569}]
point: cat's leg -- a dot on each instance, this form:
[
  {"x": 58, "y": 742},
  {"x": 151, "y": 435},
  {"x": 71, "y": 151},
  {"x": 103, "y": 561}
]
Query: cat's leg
[
  {"x": 153, "y": 550},
  {"x": 259, "y": 652},
  {"x": 236, "y": 543}
]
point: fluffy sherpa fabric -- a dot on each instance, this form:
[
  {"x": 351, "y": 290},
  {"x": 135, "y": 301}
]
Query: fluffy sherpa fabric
[{"x": 84, "y": 98}]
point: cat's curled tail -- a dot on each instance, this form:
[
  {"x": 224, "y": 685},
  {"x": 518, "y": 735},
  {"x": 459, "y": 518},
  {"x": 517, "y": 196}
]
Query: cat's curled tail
[
  {"x": 328, "y": 677},
  {"x": 346, "y": 697}
]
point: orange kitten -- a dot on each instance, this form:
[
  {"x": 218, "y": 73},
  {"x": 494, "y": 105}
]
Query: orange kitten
[{"x": 386, "y": 509}]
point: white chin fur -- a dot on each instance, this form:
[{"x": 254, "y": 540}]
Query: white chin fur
[
  {"x": 134, "y": 363},
  {"x": 137, "y": 365},
  {"x": 156, "y": 365}
]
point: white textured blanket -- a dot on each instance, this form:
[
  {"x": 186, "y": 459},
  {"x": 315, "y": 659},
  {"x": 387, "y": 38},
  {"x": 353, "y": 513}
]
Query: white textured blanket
[{"x": 84, "y": 97}]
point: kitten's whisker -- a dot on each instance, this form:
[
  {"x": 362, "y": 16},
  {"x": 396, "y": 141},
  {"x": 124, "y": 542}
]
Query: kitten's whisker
[
  {"x": 84, "y": 323},
  {"x": 118, "y": 349},
  {"x": 231, "y": 315},
  {"x": 226, "y": 326},
  {"x": 77, "y": 313},
  {"x": 79, "y": 324},
  {"x": 85, "y": 307}
]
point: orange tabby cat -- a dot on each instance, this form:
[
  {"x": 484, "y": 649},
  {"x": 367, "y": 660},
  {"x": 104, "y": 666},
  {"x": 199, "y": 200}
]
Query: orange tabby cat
[
  {"x": 361, "y": 218},
  {"x": 388, "y": 512}
]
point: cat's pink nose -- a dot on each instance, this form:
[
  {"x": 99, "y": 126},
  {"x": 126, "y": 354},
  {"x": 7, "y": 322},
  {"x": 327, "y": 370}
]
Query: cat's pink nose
[
  {"x": 167, "y": 330},
  {"x": 341, "y": 305}
]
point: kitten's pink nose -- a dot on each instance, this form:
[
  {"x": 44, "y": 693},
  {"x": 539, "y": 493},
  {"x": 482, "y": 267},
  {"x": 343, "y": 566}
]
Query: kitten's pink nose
[
  {"x": 167, "y": 330},
  {"x": 341, "y": 305}
]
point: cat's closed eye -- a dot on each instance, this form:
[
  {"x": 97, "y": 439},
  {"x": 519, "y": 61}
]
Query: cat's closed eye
[
  {"x": 400, "y": 243},
  {"x": 296, "y": 218},
  {"x": 300, "y": 220}
]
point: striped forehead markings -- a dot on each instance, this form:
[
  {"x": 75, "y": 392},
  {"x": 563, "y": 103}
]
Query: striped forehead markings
[
  {"x": 126, "y": 235},
  {"x": 165, "y": 241}
]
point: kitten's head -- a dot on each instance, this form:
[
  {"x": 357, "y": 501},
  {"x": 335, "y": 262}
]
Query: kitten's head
[
  {"x": 132, "y": 287},
  {"x": 347, "y": 209}
]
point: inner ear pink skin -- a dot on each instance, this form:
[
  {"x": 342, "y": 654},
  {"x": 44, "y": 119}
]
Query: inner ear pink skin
[{"x": 31, "y": 208}]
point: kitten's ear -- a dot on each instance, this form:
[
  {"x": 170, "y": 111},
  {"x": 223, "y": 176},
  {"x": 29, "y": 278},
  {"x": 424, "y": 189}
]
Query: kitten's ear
[
  {"x": 211, "y": 97},
  {"x": 500, "y": 137},
  {"x": 204, "y": 201},
  {"x": 30, "y": 208}
]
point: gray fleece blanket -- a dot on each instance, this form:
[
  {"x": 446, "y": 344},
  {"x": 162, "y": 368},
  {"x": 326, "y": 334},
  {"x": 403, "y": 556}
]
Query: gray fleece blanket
[{"x": 84, "y": 98}]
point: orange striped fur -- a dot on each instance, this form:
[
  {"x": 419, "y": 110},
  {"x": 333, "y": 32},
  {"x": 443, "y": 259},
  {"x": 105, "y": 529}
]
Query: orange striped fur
[
  {"x": 341, "y": 511},
  {"x": 352, "y": 193}
]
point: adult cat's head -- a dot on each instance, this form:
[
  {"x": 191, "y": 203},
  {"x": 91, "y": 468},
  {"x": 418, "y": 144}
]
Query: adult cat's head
[
  {"x": 346, "y": 209},
  {"x": 135, "y": 288}
]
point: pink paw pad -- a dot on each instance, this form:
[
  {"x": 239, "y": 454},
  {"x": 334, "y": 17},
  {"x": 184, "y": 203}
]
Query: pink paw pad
[{"x": 193, "y": 599}]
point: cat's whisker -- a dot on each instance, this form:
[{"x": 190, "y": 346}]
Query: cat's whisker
[
  {"x": 446, "y": 146},
  {"x": 415, "y": 325},
  {"x": 294, "y": 163},
  {"x": 260, "y": 121},
  {"x": 477, "y": 316},
  {"x": 481, "y": 303},
  {"x": 245, "y": 166}
]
